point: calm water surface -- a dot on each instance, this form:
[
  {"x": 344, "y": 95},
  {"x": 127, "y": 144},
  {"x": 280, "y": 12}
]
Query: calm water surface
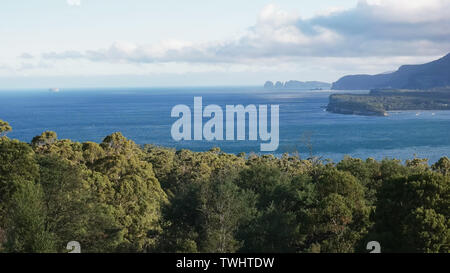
[{"x": 144, "y": 116}]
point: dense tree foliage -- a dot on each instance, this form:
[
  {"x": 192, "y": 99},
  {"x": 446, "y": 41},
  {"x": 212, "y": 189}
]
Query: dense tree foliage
[
  {"x": 4, "y": 128},
  {"x": 119, "y": 197}
]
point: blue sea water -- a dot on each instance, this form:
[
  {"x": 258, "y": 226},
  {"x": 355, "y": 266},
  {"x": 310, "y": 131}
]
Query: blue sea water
[{"x": 143, "y": 115}]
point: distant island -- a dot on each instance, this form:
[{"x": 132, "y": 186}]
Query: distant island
[
  {"x": 423, "y": 76},
  {"x": 309, "y": 85},
  {"x": 379, "y": 101},
  {"x": 54, "y": 90}
]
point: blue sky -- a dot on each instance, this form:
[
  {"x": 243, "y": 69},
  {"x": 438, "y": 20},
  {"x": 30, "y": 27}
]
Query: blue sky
[{"x": 90, "y": 43}]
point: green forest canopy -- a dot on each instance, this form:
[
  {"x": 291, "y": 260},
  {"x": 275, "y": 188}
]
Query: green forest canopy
[{"x": 117, "y": 196}]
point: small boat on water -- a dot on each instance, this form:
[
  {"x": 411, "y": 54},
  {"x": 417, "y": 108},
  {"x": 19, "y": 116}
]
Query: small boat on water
[{"x": 54, "y": 90}]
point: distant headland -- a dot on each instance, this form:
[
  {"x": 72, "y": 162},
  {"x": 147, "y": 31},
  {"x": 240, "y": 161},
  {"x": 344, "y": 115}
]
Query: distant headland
[
  {"x": 309, "y": 85},
  {"x": 421, "y": 76},
  {"x": 379, "y": 101},
  {"x": 411, "y": 87}
]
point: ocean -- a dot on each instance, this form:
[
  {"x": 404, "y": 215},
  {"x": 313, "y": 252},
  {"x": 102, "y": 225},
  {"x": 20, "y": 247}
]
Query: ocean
[{"x": 143, "y": 115}]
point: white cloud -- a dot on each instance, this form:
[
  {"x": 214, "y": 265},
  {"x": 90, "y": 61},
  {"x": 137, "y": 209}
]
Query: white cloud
[
  {"x": 26, "y": 56},
  {"x": 4, "y": 67},
  {"x": 74, "y": 2},
  {"x": 409, "y": 10},
  {"x": 273, "y": 15},
  {"x": 372, "y": 28}
]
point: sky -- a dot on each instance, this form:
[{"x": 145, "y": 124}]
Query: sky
[{"x": 145, "y": 43}]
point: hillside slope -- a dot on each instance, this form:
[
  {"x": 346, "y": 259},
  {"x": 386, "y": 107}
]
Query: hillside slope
[{"x": 423, "y": 76}]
